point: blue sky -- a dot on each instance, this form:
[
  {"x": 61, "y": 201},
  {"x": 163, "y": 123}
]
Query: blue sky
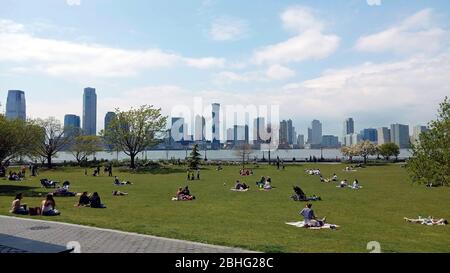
[{"x": 378, "y": 61}]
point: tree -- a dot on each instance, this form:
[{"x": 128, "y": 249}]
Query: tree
[
  {"x": 135, "y": 130},
  {"x": 17, "y": 138},
  {"x": 350, "y": 152},
  {"x": 194, "y": 158},
  {"x": 53, "y": 139},
  {"x": 85, "y": 146},
  {"x": 389, "y": 149},
  {"x": 243, "y": 151},
  {"x": 365, "y": 149},
  {"x": 430, "y": 160}
]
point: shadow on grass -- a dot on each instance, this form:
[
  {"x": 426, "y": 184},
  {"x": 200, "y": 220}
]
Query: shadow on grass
[
  {"x": 153, "y": 170},
  {"x": 12, "y": 190}
]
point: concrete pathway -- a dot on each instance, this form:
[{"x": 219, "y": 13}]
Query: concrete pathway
[{"x": 28, "y": 235}]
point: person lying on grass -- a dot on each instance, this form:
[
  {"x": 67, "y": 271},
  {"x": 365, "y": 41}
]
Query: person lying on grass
[
  {"x": 119, "y": 193},
  {"x": 310, "y": 218},
  {"x": 117, "y": 182},
  {"x": 96, "y": 202},
  {"x": 64, "y": 191},
  {"x": 240, "y": 186},
  {"x": 17, "y": 207},
  {"x": 301, "y": 196},
  {"x": 49, "y": 206},
  {"x": 429, "y": 221}
]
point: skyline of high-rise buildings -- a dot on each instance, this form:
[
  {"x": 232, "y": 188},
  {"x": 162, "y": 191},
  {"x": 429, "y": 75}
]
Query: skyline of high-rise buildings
[
  {"x": 72, "y": 124},
  {"x": 89, "y": 111}
]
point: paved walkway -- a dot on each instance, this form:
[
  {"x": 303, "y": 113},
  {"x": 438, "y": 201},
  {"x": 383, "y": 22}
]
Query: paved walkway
[{"x": 27, "y": 235}]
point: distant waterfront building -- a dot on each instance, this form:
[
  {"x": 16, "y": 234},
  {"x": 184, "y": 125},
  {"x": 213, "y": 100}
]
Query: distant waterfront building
[
  {"x": 349, "y": 127},
  {"x": 16, "y": 105},
  {"x": 352, "y": 139},
  {"x": 177, "y": 129},
  {"x": 215, "y": 143},
  {"x": 290, "y": 132},
  {"x": 230, "y": 135},
  {"x": 400, "y": 135},
  {"x": 199, "y": 128},
  {"x": 90, "y": 112},
  {"x": 72, "y": 125},
  {"x": 301, "y": 141},
  {"x": 369, "y": 134},
  {"x": 284, "y": 135},
  {"x": 417, "y": 130},
  {"x": 241, "y": 134},
  {"x": 329, "y": 141},
  {"x": 260, "y": 131},
  {"x": 309, "y": 139},
  {"x": 316, "y": 132},
  {"x": 383, "y": 135},
  {"x": 109, "y": 117}
]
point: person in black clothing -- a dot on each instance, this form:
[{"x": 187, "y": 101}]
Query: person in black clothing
[
  {"x": 98, "y": 170},
  {"x": 110, "y": 173},
  {"x": 84, "y": 200},
  {"x": 96, "y": 202},
  {"x": 186, "y": 191}
]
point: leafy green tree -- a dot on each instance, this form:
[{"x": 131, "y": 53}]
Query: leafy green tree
[
  {"x": 135, "y": 130},
  {"x": 387, "y": 150},
  {"x": 430, "y": 161},
  {"x": 53, "y": 139},
  {"x": 85, "y": 146},
  {"x": 194, "y": 158},
  {"x": 365, "y": 149},
  {"x": 17, "y": 138}
]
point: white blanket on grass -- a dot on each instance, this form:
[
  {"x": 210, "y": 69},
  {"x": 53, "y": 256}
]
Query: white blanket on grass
[
  {"x": 240, "y": 190},
  {"x": 301, "y": 224}
]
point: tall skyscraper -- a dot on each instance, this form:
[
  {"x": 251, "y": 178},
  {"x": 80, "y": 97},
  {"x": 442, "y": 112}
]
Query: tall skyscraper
[
  {"x": 384, "y": 135},
  {"x": 72, "y": 125},
  {"x": 177, "y": 130},
  {"x": 301, "y": 141},
  {"x": 369, "y": 134},
  {"x": 90, "y": 112},
  {"x": 16, "y": 105},
  {"x": 400, "y": 135},
  {"x": 417, "y": 130},
  {"x": 349, "y": 128},
  {"x": 241, "y": 134},
  {"x": 260, "y": 131},
  {"x": 284, "y": 135},
  {"x": 290, "y": 132},
  {"x": 199, "y": 128},
  {"x": 109, "y": 117},
  {"x": 215, "y": 126},
  {"x": 309, "y": 139},
  {"x": 352, "y": 139},
  {"x": 329, "y": 141},
  {"x": 316, "y": 132}
]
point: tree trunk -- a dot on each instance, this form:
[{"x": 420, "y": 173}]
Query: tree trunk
[
  {"x": 132, "y": 165},
  {"x": 49, "y": 161},
  {"x": 365, "y": 160}
]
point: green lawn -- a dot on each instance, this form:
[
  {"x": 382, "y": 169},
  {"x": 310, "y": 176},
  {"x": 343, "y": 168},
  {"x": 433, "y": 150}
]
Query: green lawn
[{"x": 256, "y": 219}]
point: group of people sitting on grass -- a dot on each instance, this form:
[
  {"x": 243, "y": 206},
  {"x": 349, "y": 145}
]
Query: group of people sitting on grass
[
  {"x": 117, "y": 182},
  {"x": 64, "y": 191},
  {"x": 245, "y": 172},
  {"x": 334, "y": 178},
  {"x": 241, "y": 186},
  {"x": 47, "y": 208},
  {"x": 264, "y": 183},
  {"x": 313, "y": 171},
  {"x": 355, "y": 185},
  {"x": 13, "y": 176},
  {"x": 184, "y": 194},
  {"x": 92, "y": 201},
  {"x": 301, "y": 196},
  {"x": 429, "y": 221},
  {"x": 191, "y": 175}
]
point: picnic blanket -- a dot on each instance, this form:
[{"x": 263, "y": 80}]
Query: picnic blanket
[
  {"x": 301, "y": 224},
  {"x": 240, "y": 190}
]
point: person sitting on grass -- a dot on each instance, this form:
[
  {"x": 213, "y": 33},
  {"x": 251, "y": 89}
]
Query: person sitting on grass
[
  {"x": 343, "y": 183},
  {"x": 184, "y": 194},
  {"x": 334, "y": 178},
  {"x": 241, "y": 186},
  {"x": 84, "y": 200},
  {"x": 49, "y": 206},
  {"x": 96, "y": 202},
  {"x": 13, "y": 176},
  {"x": 119, "y": 193},
  {"x": 117, "y": 182},
  {"x": 310, "y": 218},
  {"x": 17, "y": 207},
  {"x": 267, "y": 186},
  {"x": 356, "y": 185},
  {"x": 430, "y": 221},
  {"x": 261, "y": 182}
]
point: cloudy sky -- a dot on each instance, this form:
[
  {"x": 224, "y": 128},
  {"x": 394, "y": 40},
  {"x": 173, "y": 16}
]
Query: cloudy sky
[{"x": 378, "y": 61}]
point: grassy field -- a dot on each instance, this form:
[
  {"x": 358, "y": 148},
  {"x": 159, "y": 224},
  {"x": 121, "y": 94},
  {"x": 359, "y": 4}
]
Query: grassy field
[{"x": 256, "y": 219}]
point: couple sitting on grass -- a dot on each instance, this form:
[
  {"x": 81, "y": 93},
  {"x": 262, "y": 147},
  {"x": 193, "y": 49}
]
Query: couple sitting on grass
[
  {"x": 313, "y": 171},
  {"x": 429, "y": 221},
  {"x": 117, "y": 182},
  {"x": 184, "y": 195},
  {"x": 47, "y": 208},
  {"x": 310, "y": 218},
  {"x": 92, "y": 201},
  {"x": 355, "y": 186},
  {"x": 334, "y": 178},
  {"x": 265, "y": 183},
  {"x": 245, "y": 172}
]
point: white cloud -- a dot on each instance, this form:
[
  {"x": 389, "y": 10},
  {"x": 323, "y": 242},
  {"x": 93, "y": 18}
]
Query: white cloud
[
  {"x": 278, "y": 72},
  {"x": 73, "y": 2},
  {"x": 309, "y": 43},
  {"x": 272, "y": 73},
  {"x": 374, "y": 2},
  {"x": 417, "y": 33},
  {"x": 228, "y": 29},
  {"x": 71, "y": 59}
]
